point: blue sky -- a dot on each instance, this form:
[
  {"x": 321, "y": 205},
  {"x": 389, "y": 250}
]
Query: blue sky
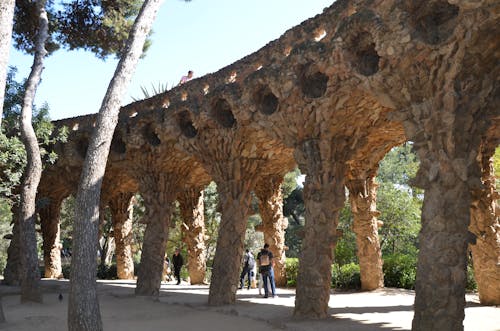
[{"x": 201, "y": 35}]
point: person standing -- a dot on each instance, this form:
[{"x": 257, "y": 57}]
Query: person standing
[
  {"x": 265, "y": 258},
  {"x": 178, "y": 262},
  {"x": 248, "y": 265}
]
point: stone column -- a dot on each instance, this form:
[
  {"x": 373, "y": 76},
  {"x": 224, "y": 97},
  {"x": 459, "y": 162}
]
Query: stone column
[
  {"x": 192, "y": 208},
  {"x": 324, "y": 196},
  {"x": 235, "y": 180},
  {"x": 121, "y": 214},
  {"x": 12, "y": 270},
  {"x": 268, "y": 190},
  {"x": 50, "y": 219},
  {"x": 363, "y": 199},
  {"x": 485, "y": 224},
  {"x": 447, "y": 146},
  {"x": 159, "y": 191}
]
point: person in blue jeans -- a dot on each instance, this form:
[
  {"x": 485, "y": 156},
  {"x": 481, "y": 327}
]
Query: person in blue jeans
[
  {"x": 248, "y": 265},
  {"x": 265, "y": 258}
]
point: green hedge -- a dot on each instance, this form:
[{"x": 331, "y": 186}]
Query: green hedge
[
  {"x": 292, "y": 269},
  {"x": 346, "y": 277},
  {"x": 400, "y": 271}
]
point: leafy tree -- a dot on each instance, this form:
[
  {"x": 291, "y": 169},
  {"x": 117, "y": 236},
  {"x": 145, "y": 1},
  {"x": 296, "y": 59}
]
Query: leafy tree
[
  {"x": 212, "y": 220},
  {"x": 345, "y": 249},
  {"x": 400, "y": 212},
  {"x": 294, "y": 210},
  {"x": 399, "y": 203},
  {"x": 399, "y": 166},
  {"x": 99, "y": 26}
]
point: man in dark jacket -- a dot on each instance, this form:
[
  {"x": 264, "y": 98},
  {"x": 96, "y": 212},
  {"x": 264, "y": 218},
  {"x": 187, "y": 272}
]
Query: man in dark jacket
[
  {"x": 265, "y": 259},
  {"x": 178, "y": 262},
  {"x": 248, "y": 264}
]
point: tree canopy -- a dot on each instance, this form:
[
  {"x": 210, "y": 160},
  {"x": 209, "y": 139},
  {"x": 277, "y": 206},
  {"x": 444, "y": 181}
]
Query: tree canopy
[{"x": 99, "y": 26}]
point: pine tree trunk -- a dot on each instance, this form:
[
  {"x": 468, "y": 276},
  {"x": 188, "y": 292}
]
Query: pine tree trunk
[
  {"x": 30, "y": 274},
  {"x": 6, "y": 23},
  {"x": 83, "y": 308}
]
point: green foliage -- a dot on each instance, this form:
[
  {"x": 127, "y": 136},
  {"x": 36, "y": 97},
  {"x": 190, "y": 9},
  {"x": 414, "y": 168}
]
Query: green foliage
[
  {"x": 400, "y": 271},
  {"x": 99, "y": 26},
  {"x": 346, "y": 277},
  {"x": 5, "y": 229},
  {"x": 399, "y": 166},
  {"x": 400, "y": 212},
  {"x": 292, "y": 270},
  {"x": 160, "y": 88},
  {"x": 254, "y": 240},
  {"x": 212, "y": 220},
  {"x": 294, "y": 210},
  {"x": 290, "y": 182},
  {"x": 12, "y": 152},
  {"x": 471, "y": 284},
  {"x": 107, "y": 271},
  {"x": 345, "y": 249}
]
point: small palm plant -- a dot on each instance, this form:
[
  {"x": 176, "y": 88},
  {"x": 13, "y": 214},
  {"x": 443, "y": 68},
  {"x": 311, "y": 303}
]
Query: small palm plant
[{"x": 160, "y": 88}]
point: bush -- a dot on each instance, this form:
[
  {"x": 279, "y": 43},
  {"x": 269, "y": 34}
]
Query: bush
[
  {"x": 400, "y": 271},
  {"x": 107, "y": 271},
  {"x": 346, "y": 277},
  {"x": 471, "y": 284},
  {"x": 292, "y": 270}
]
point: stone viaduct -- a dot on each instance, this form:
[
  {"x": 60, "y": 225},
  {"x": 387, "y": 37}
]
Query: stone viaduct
[{"x": 331, "y": 96}]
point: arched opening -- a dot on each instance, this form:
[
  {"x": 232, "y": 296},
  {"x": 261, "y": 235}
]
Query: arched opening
[
  {"x": 222, "y": 113},
  {"x": 313, "y": 83},
  {"x": 433, "y": 23},
  {"x": 186, "y": 124},
  {"x": 150, "y": 136},
  {"x": 267, "y": 102}
]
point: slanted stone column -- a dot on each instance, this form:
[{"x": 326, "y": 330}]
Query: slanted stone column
[
  {"x": 12, "y": 271},
  {"x": 324, "y": 195},
  {"x": 268, "y": 190},
  {"x": 192, "y": 208},
  {"x": 50, "y": 218},
  {"x": 235, "y": 181},
  {"x": 485, "y": 224},
  {"x": 363, "y": 199},
  {"x": 447, "y": 146},
  {"x": 121, "y": 214},
  {"x": 159, "y": 191}
]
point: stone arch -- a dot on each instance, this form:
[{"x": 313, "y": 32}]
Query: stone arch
[
  {"x": 222, "y": 113},
  {"x": 432, "y": 23},
  {"x": 365, "y": 57},
  {"x": 118, "y": 145},
  {"x": 81, "y": 146},
  {"x": 150, "y": 136},
  {"x": 186, "y": 124},
  {"x": 266, "y": 101}
]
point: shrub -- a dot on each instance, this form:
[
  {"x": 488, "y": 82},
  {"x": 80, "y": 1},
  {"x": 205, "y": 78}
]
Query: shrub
[
  {"x": 346, "y": 276},
  {"x": 471, "y": 284},
  {"x": 400, "y": 271},
  {"x": 292, "y": 270},
  {"x": 107, "y": 271}
]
